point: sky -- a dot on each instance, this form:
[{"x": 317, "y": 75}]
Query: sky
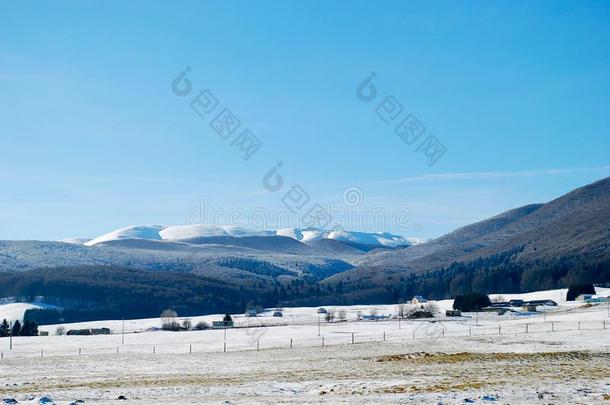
[{"x": 94, "y": 135}]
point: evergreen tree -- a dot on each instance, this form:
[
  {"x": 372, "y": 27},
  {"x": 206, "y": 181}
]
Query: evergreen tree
[
  {"x": 5, "y": 329},
  {"x": 575, "y": 290},
  {"x": 16, "y": 328},
  {"x": 29, "y": 329},
  {"x": 458, "y": 302},
  {"x": 25, "y": 329},
  {"x": 471, "y": 302}
]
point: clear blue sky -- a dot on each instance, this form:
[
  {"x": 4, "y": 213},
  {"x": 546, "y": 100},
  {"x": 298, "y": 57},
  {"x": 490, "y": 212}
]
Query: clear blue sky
[{"x": 93, "y": 139}]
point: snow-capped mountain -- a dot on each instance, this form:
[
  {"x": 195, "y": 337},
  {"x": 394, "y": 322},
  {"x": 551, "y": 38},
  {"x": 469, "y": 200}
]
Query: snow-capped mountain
[{"x": 305, "y": 235}]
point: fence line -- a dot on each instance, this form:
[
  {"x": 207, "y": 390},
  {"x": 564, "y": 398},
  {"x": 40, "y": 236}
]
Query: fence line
[{"x": 433, "y": 331}]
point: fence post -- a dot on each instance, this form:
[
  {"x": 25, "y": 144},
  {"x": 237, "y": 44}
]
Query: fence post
[
  {"x": 552, "y": 326},
  {"x": 322, "y": 342},
  {"x": 352, "y": 337},
  {"x": 117, "y": 350},
  {"x": 190, "y": 349},
  {"x": 291, "y": 343},
  {"x": 443, "y": 332},
  {"x": 79, "y": 351},
  {"x": 470, "y": 331},
  {"x": 224, "y": 347},
  {"x": 154, "y": 349},
  {"x": 42, "y": 353},
  {"x": 527, "y": 328},
  {"x": 2, "y": 355},
  {"x": 384, "y": 333},
  {"x": 578, "y": 325},
  {"x": 604, "y": 325},
  {"x": 499, "y": 329},
  {"x": 413, "y": 334},
  {"x": 258, "y": 345}
]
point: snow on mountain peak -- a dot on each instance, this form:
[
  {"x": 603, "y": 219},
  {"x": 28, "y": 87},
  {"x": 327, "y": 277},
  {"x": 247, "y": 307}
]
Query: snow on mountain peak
[
  {"x": 305, "y": 235},
  {"x": 150, "y": 232}
]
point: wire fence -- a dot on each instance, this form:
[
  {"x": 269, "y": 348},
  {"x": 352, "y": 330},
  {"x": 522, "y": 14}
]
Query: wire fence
[{"x": 256, "y": 338}]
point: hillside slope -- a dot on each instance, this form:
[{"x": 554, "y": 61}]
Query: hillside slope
[{"x": 570, "y": 233}]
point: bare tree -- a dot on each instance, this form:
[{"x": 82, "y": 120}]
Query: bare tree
[
  {"x": 342, "y": 315},
  {"x": 401, "y": 311},
  {"x": 186, "y": 324},
  {"x": 168, "y": 320},
  {"x": 60, "y": 331},
  {"x": 330, "y": 316},
  {"x": 499, "y": 298}
]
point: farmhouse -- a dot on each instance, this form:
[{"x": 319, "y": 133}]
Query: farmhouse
[
  {"x": 516, "y": 303},
  {"x": 418, "y": 299},
  {"x": 530, "y": 308},
  {"x": 222, "y": 324},
  {"x": 548, "y": 303},
  {"x": 86, "y": 332},
  {"x": 374, "y": 317},
  {"x": 597, "y": 299},
  {"x": 421, "y": 314},
  {"x": 499, "y": 310}
]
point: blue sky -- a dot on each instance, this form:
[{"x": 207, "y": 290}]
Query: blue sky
[{"x": 92, "y": 137}]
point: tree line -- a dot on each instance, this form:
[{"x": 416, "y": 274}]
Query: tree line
[{"x": 27, "y": 329}]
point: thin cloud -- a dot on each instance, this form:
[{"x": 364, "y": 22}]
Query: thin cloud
[{"x": 489, "y": 175}]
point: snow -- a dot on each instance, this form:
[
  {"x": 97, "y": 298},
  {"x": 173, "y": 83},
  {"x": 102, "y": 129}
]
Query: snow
[
  {"x": 305, "y": 235},
  {"x": 15, "y": 311},
  {"x": 307, "y": 316},
  {"x": 414, "y": 361},
  {"x": 372, "y": 239},
  {"x": 150, "y": 232}
]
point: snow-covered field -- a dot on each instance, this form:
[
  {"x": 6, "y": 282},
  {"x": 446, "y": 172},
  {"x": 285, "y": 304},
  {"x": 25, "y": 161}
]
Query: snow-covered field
[{"x": 562, "y": 356}]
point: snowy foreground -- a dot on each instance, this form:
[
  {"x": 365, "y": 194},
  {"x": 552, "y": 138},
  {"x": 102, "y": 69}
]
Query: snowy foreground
[{"x": 561, "y": 357}]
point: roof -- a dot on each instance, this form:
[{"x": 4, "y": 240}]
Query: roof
[{"x": 540, "y": 302}]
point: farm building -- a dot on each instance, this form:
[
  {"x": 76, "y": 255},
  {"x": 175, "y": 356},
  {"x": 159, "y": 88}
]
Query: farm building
[
  {"x": 86, "y": 332},
  {"x": 516, "y": 303},
  {"x": 222, "y": 324},
  {"x": 418, "y": 299}
]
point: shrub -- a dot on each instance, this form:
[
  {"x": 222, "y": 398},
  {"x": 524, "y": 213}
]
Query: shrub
[{"x": 201, "y": 325}]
